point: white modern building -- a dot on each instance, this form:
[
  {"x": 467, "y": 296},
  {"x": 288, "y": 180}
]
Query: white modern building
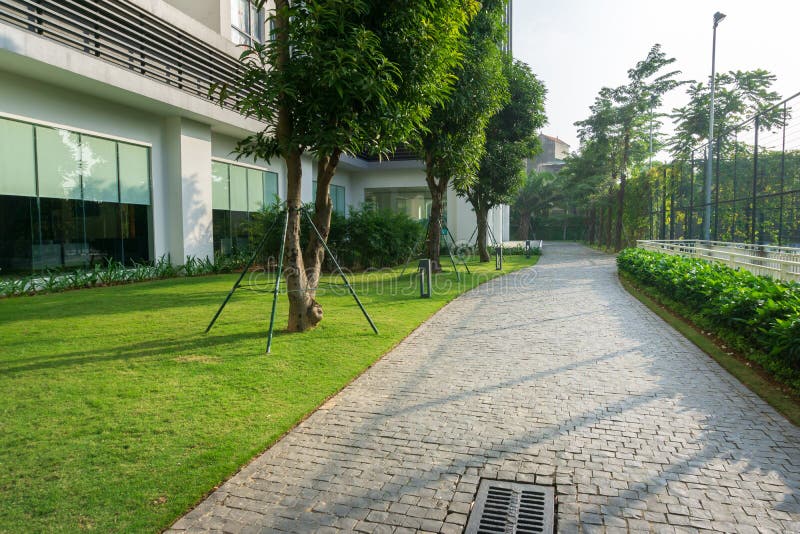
[{"x": 111, "y": 148}]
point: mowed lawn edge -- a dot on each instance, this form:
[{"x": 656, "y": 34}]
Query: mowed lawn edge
[{"x": 119, "y": 414}]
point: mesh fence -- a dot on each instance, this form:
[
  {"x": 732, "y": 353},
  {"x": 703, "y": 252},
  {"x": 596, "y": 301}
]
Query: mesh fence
[{"x": 754, "y": 187}]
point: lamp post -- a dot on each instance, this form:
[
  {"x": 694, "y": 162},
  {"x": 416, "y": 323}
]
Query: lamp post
[{"x": 707, "y": 216}]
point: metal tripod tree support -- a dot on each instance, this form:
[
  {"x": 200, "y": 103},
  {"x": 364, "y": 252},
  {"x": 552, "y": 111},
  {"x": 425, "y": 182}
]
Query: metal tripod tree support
[
  {"x": 276, "y": 289},
  {"x": 498, "y": 251},
  {"x": 244, "y": 272},
  {"x": 341, "y": 273},
  {"x": 446, "y": 233}
]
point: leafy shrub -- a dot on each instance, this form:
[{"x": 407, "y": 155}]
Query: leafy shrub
[
  {"x": 757, "y": 315},
  {"x": 516, "y": 251},
  {"x": 366, "y": 239},
  {"x": 114, "y": 273}
]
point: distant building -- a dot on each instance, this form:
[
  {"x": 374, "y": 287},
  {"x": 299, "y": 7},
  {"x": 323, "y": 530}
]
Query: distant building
[{"x": 551, "y": 158}]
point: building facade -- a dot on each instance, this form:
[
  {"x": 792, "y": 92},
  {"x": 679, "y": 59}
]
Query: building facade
[
  {"x": 551, "y": 158},
  {"x": 111, "y": 148}
]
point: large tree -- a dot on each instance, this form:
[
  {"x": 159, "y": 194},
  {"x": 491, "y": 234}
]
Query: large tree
[
  {"x": 342, "y": 77},
  {"x": 510, "y": 139},
  {"x": 456, "y": 131},
  {"x": 621, "y": 117},
  {"x": 539, "y": 192},
  {"x": 738, "y": 96}
]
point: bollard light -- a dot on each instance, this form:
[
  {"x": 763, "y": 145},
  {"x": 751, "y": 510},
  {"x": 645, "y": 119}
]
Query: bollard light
[
  {"x": 424, "y": 278},
  {"x": 527, "y": 248},
  {"x": 498, "y": 258}
]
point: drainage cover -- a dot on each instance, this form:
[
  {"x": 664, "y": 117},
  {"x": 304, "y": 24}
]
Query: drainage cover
[{"x": 509, "y": 508}]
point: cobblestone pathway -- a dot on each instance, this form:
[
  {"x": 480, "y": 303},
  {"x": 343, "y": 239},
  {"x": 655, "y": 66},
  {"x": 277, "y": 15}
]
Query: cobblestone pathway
[{"x": 554, "y": 375}]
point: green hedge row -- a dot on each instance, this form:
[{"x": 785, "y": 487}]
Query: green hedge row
[
  {"x": 366, "y": 239},
  {"x": 756, "y": 315}
]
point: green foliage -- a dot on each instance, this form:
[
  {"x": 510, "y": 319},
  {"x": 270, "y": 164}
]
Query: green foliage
[
  {"x": 366, "y": 239},
  {"x": 511, "y": 137},
  {"x": 361, "y": 75},
  {"x": 539, "y": 192},
  {"x": 738, "y": 96},
  {"x": 115, "y": 273},
  {"x": 757, "y": 315},
  {"x": 518, "y": 250},
  {"x": 456, "y": 130}
]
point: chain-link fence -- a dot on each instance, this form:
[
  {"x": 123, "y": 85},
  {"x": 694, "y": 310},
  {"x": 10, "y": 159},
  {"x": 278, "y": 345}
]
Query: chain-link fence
[{"x": 755, "y": 185}]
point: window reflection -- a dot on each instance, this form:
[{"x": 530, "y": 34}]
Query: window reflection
[{"x": 77, "y": 218}]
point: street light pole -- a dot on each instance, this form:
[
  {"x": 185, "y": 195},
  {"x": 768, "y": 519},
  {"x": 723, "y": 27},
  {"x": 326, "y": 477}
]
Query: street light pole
[{"x": 707, "y": 216}]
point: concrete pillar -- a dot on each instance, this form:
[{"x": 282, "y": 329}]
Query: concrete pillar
[{"x": 182, "y": 213}]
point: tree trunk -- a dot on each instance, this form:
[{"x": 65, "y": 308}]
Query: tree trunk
[
  {"x": 482, "y": 216},
  {"x": 607, "y": 239},
  {"x": 621, "y": 193},
  {"x": 304, "y": 311},
  {"x": 620, "y": 205},
  {"x": 524, "y": 228},
  {"x": 323, "y": 207},
  {"x": 437, "y": 189}
]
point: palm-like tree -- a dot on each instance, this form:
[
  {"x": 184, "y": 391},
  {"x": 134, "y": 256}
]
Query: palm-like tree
[{"x": 539, "y": 193}]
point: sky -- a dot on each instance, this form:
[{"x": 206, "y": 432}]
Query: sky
[{"x": 578, "y": 46}]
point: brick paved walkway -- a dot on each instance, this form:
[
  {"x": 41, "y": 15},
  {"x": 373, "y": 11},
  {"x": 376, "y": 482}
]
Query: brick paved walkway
[{"x": 556, "y": 376}]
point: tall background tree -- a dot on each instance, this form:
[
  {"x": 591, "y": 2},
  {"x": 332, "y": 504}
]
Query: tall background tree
[
  {"x": 539, "y": 192},
  {"x": 738, "y": 96},
  {"x": 456, "y": 131},
  {"x": 342, "y": 77},
  {"x": 510, "y": 139}
]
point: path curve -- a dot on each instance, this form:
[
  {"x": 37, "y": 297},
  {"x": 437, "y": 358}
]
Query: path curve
[{"x": 552, "y": 374}]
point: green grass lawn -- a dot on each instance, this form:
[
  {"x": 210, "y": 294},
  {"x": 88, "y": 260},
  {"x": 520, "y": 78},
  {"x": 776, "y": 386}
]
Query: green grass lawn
[{"x": 119, "y": 414}]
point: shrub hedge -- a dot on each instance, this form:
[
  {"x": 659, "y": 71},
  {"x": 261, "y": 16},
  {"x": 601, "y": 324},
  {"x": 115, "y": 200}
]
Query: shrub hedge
[
  {"x": 366, "y": 239},
  {"x": 756, "y": 315}
]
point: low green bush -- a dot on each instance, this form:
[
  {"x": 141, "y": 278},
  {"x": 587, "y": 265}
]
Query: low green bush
[
  {"x": 114, "y": 273},
  {"x": 756, "y": 315},
  {"x": 366, "y": 239},
  {"x": 518, "y": 250}
]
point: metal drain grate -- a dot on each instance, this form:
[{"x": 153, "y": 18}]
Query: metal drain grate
[{"x": 510, "y": 508}]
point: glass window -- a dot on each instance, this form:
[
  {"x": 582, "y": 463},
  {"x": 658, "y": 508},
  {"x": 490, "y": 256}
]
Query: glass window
[
  {"x": 240, "y": 11},
  {"x": 17, "y": 166},
  {"x": 255, "y": 190},
  {"x": 78, "y": 218},
  {"x": 58, "y": 156},
  {"x": 247, "y": 22},
  {"x": 220, "y": 191},
  {"x": 102, "y": 224},
  {"x": 221, "y": 219},
  {"x": 134, "y": 174},
  {"x": 135, "y": 232},
  {"x": 17, "y": 232},
  {"x": 337, "y": 198},
  {"x": 270, "y": 187},
  {"x": 238, "y": 188},
  {"x": 414, "y": 202},
  {"x": 99, "y": 169}
]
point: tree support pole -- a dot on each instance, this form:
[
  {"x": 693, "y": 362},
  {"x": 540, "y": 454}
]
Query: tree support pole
[
  {"x": 341, "y": 273},
  {"x": 241, "y": 276},
  {"x": 277, "y": 284},
  {"x": 463, "y": 261}
]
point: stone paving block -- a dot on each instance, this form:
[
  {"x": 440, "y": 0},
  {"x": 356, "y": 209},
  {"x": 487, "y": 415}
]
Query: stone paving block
[{"x": 553, "y": 375}]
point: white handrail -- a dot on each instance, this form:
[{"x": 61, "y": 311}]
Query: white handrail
[{"x": 766, "y": 260}]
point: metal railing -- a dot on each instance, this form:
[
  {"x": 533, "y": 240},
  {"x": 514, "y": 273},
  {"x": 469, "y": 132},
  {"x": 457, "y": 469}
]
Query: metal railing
[
  {"x": 755, "y": 184},
  {"x": 121, "y": 33},
  {"x": 765, "y": 260}
]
